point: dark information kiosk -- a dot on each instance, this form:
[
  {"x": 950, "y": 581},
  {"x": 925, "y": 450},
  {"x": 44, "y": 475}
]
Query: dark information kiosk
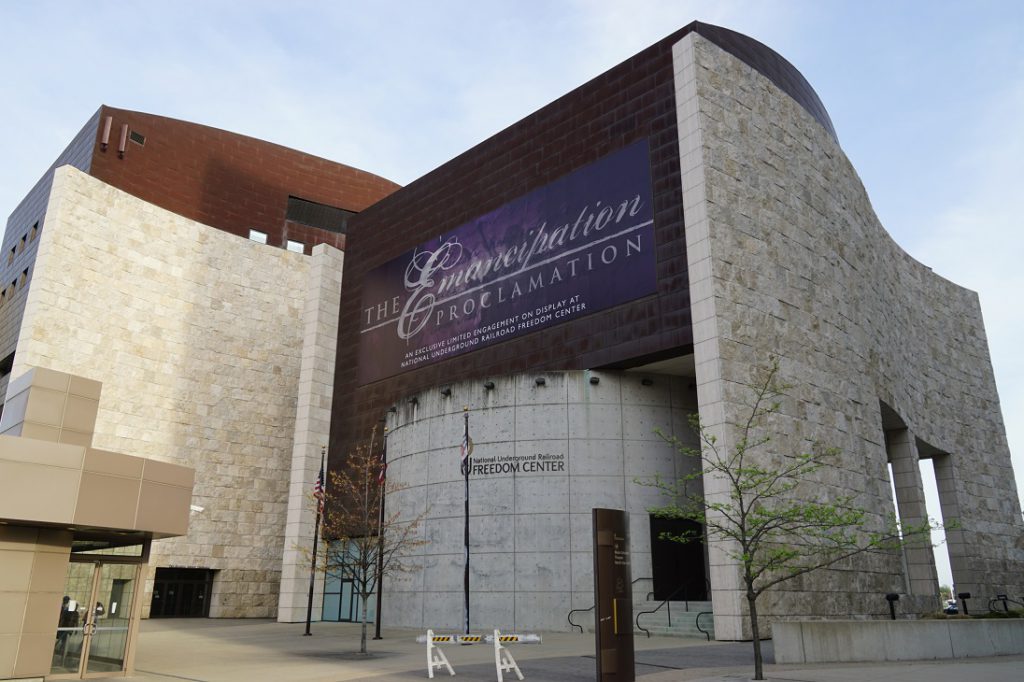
[{"x": 613, "y": 597}]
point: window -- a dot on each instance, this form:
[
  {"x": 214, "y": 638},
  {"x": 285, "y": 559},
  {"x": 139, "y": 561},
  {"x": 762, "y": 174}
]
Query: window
[
  {"x": 258, "y": 236},
  {"x": 21, "y": 245},
  {"x": 297, "y": 247},
  {"x": 315, "y": 214},
  {"x": 24, "y": 277},
  {"x": 33, "y": 232},
  {"x": 10, "y": 256}
]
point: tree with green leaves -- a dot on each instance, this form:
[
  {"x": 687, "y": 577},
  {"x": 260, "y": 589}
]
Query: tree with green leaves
[{"x": 761, "y": 506}]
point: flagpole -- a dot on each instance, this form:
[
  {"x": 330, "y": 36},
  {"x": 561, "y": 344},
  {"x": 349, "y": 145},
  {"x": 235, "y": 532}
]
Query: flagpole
[
  {"x": 316, "y": 536},
  {"x": 382, "y": 480},
  {"x": 465, "y": 474}
]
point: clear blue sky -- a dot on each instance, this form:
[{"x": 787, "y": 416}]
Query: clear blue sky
[{"x": 927, "y": 97}]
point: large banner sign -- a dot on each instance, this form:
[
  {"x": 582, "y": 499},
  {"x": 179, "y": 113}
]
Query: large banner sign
[{"x": 579, "y": 245}]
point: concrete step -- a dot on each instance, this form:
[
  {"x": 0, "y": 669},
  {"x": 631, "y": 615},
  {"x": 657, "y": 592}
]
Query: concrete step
[
  {"x": 687, "y": 629},
  {"x": 676, "y": 605},
  {"x": 665, "y": 612},
  {"x": 677, "y": 622}
]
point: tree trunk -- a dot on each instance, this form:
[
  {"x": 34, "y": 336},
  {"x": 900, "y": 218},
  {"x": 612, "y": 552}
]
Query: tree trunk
[
  {"x": 362, "y": 634},
  {"x": 758, "y": 662}
]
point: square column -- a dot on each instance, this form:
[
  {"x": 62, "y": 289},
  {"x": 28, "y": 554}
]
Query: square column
[
  {"x": 964, "y": 579},
  {"x": 312, "y": 431},
  {"x": 922, "y": 578}
]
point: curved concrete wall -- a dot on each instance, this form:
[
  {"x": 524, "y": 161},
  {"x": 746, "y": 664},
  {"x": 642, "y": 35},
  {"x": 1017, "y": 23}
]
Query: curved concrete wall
[
  {"x": 544, "y": 456},
  {"x": 787, "y": 257}
]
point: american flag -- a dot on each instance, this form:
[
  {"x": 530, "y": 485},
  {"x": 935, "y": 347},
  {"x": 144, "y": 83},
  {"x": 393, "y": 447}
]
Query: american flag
[
  {"x": 318, "y": 490},
  {"x": 383, "y": 465},
  {"x": 464, "y": 450}
]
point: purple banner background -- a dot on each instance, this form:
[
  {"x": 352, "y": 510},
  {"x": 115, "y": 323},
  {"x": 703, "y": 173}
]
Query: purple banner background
[{"x": 581, "y": 244}]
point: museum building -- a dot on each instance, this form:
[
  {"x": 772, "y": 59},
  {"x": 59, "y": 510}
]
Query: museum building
[
  {"x": 626, "y": 257},
  {"x": 631, "y": 254}
]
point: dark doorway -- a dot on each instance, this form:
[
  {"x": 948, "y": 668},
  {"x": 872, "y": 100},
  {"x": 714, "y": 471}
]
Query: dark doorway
[
  {"x": 678, "y": 568},
  {"x": 181, "y": 593}
]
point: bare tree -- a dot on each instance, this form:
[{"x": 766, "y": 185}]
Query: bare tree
[
  {"x": 772, "y": 530},
  {"x": 365, "y": 545}
]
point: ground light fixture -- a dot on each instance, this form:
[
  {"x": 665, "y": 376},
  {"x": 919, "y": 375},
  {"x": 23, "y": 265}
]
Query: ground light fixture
[
  {"x": 892, "y": 598},
  {"x": 963, "y": 597}
]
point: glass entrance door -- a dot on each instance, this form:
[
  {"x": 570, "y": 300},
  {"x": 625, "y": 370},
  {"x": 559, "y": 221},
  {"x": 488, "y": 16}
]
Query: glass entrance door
[
  {"x": 73, "y": 621},
  {"x": 95, "y": 619}
]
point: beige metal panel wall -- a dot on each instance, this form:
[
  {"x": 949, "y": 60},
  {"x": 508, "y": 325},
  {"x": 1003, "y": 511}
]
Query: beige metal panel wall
[
  {"x": 33, "y": 562},
  {"x": 195, "y": 335}
]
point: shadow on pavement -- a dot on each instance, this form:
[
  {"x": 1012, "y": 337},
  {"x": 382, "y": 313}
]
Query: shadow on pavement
[{"x": 582, "y": 668}]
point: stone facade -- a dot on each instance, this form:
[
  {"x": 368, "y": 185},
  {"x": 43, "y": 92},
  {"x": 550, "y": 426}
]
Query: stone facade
[
  {"x": 26, "y": 222},
  {"x": 197, "y": 337},
  {"x": 788, "y": 259},
  {"x": 312, "y": 429},
  {"x": 531, "y": 540}
]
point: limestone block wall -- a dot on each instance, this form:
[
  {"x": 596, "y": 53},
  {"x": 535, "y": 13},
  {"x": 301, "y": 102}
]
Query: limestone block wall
[
  {"x": 15, "y": 256},
  {"x": 787, "y": 258},
  {"x": 312, "y": 430},
  {"x": 530, "y": 547},
  {"x": 196, "y": 337}
]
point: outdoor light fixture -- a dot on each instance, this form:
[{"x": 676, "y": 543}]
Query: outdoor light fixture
[
  {"x": 489, "y": 385},
  {"x": 595, "y": 380},
  {"x": 123, "y": 142},
  {"x": 105, "y": 139},
  {"x": 540, "y": 381},
  {"x": 446, "y": 391},
  {"x": 892, "y": 598},
  {"x": 647, "y": 382},
  {"x": 963, "y": 597}
]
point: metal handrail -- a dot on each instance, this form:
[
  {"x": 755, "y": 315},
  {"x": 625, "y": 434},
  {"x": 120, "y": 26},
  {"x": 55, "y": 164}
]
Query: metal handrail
[
  {"x": 569, "y": 617},
  {"x": 1006, "y": 601},
  {"x": 697, "y": 623},
  {"x": 669, "y": 607}
]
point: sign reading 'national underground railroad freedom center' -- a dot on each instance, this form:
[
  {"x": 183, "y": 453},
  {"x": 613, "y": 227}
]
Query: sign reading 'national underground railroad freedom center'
[{"x": 576, "y": 246}]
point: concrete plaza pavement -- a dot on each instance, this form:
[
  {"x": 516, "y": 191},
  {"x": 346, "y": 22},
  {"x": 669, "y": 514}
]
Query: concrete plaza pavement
[{"x": 203, "y": 650}]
